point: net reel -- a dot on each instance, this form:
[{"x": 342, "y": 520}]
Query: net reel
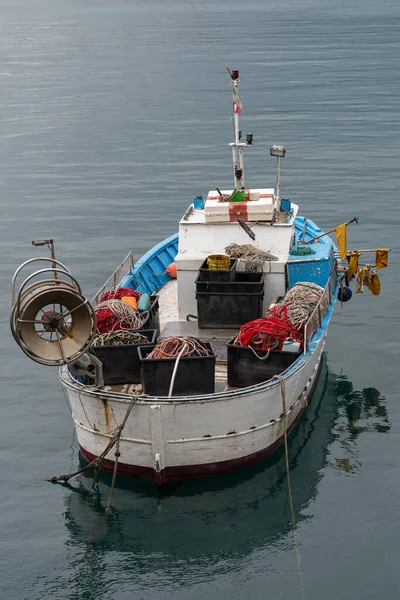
[{"x": 51, "y": 320}]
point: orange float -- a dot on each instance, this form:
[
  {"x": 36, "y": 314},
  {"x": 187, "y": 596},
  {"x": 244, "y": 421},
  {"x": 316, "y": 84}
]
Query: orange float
[
  {"x": 130, "y": 300},
  {"x": 171, "y": 270}
]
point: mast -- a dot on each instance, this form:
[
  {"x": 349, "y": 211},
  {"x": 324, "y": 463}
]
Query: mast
[{"x": 237, "y": 145}]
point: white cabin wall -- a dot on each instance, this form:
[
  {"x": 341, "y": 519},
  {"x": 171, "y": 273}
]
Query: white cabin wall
[
  {"x": 213, "y": 238},
  {"x": 188, "y": 270}
]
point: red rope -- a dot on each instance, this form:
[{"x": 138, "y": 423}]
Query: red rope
[
  {"x": 106, "y": 319},
  {"x": 119, "y": 293},
  {"x": 267, "y": 333}
]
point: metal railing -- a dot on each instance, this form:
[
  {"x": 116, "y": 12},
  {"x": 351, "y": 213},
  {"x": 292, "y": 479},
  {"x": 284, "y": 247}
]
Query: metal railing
[
  {"x": 115, "y": 278},
  {"x": 315, "y": 319}
]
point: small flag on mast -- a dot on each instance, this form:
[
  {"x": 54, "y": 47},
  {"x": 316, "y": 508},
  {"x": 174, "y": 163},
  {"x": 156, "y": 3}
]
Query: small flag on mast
[{"x": 237, "y": 105}]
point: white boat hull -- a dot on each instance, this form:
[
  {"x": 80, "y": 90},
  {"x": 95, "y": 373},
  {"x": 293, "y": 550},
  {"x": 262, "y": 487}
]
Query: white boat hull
[{"x": 185, "y": 438}]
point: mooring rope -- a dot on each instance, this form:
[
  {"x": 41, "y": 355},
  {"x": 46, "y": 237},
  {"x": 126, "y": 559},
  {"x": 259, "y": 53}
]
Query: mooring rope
[
  {"x": 294, "y": 529},
  {"x": 96, "y": 462}
]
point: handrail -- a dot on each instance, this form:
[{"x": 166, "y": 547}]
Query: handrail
[
  {"x": 120, "y": 272},
  {"x": 328, "y": 290}
]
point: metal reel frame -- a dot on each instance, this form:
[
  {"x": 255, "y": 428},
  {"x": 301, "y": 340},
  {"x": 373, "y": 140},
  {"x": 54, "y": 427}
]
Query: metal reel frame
[{"x": 53, "y": 291}]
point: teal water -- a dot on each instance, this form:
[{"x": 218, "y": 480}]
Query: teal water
[{"x": 113, "y": 115}]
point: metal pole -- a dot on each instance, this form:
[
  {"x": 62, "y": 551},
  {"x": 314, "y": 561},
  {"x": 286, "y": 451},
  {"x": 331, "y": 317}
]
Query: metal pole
[
  {"x": 241, "y": 159},
  {"x": 234, "y": 164},
  {"x": 278, "y": 182},
  {"x": 237, "y": 146},
  {"x": 236, "y": 131}
]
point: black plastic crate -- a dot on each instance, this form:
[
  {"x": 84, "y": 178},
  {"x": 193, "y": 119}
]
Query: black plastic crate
[
  {"x": 121, "y": 363},
  {"x": 206, "y": 274},
  {"x": 152, "y": 320},
  {"x": 227, "y": 309},
  {"x": 245, "y": 368},
  {"x": 243, "y": 283},
  {"x": 195, "y": 374}
]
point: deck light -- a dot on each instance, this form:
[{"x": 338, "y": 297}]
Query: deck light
[
  {"x": 249, "y": 139},
  {"x": 278, "y": 151}
]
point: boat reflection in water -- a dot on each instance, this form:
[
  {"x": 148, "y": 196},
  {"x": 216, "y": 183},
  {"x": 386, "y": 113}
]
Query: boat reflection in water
[{"x": 229, "y": 516}]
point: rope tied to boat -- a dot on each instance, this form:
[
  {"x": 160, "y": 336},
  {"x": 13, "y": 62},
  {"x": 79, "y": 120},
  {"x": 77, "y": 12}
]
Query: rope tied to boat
[
  {"x": 96, "y": 462},
  {"x": 289, "y": 485}
]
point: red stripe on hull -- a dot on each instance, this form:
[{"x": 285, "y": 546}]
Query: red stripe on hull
[{"x": 190, "y": 471}]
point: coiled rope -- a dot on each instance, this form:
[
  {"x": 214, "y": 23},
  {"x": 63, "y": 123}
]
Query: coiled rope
[
  {"x": 119, "y": 338},
  {"x": 302, "y": 300},
  {"x": 266, "y": 334},
  {"x": 284, "y": 321},
  {"x": 115, "y": 314},
  {"x": 252, "y": 258},
  {"x": 171, "y": 348}
]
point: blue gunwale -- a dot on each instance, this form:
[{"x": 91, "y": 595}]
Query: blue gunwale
[
  {"x": 148, "y": 274},
  {"x": 142, "y": 278}
]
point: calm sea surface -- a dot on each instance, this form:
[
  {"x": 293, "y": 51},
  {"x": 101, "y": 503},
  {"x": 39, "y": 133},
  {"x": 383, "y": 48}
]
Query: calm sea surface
[{"x": 113, "y": 115}]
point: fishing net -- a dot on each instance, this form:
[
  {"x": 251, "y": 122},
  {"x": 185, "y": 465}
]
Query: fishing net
[
  {"x": 252, "y": 258},
  {"x": 119, "y": 293},
  {"x": 119, "y": 338},
  {"x": 115, "y": 314},
  {"x": 285, "y": 321}
]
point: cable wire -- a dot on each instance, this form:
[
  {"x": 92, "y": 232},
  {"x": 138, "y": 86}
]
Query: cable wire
[{"x": 208, "y": 33}]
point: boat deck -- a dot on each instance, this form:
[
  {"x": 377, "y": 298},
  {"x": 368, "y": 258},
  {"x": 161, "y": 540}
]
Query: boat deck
[{"x": 170, "y": 326}]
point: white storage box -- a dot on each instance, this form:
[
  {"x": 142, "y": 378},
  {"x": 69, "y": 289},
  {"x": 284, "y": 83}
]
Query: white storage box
[{"x": 259, "y": 206}]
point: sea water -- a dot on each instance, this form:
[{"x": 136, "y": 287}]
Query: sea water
[{"x": 114, "y": 116}]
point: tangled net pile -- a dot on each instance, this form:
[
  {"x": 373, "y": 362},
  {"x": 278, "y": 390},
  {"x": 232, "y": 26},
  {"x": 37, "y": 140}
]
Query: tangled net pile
[
  {"x": 266, "y": 334},
  {"x": 119, "y": 338},
  {"x": 171, "y": 347},
  {"x": 120, "y": 293},
  {"x": 303, "y": 298},
  {"x": 113, "y": 315},
  {"x": 252, "y": 257},
  {"x": 301, "y": 251},
  {"x": 284, "y": 321}
]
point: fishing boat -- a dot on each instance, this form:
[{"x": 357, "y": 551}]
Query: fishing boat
[
  {"x": 215, "y": 519},
  {"x": 197, "y": 415}
]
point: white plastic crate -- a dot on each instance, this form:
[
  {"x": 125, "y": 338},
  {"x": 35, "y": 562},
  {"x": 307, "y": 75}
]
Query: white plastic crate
[{"x": 259, "y": 206}]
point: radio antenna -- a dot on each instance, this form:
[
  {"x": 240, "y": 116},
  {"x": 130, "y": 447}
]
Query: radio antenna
[{"x": 209, "y": 35}]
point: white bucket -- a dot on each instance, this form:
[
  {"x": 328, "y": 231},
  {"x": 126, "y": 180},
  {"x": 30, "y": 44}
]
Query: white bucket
[{"x": 290, "y": 346}]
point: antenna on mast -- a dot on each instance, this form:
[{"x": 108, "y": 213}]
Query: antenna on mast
[{"x": 237, "y": 145}]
